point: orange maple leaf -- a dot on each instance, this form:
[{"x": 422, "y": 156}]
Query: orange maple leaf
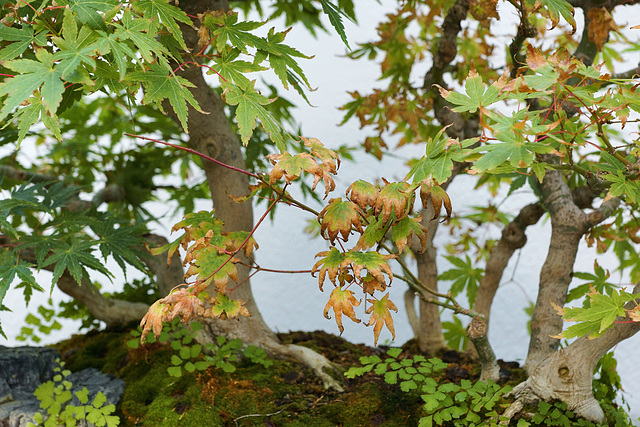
[
  {"x": 381, "y": 315},
  {"x": 339, "y": 217},
  {"x": 342, "y": 301}
]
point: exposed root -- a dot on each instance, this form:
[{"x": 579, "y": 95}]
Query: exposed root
[
  {"x": 319, "y": 364},
  {"x": 252, "y": 331},
  {"x": 543, "y": 385}
]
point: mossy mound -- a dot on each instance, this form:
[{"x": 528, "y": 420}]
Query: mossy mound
[{"x": 284, "y": 393}]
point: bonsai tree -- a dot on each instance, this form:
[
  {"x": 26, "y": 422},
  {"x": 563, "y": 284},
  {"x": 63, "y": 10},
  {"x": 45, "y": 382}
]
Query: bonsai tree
[{"x": 548, "y": 118}]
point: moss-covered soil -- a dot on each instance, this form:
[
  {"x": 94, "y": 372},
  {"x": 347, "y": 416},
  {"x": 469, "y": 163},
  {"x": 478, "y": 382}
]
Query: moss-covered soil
[{"x": 284, "y": 394}]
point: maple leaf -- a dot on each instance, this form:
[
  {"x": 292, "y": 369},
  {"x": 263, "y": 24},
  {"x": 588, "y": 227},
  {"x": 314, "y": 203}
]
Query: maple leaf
[
  {"x": 160, "y": 11},
  {"x": 87, "y": 11},
  {"x": 152, "y": 320},
  {"x": 140, "y": 33},
  {"x": 161, "y": 83},
  {"x": 22, "y": 39},
  {"x": 249, "y": 108},
  {"x": 329, "y": 157},
  {"x": 183, "y": 303},
  {"x": 381, "y": 315},
  {"x": 438, "y": 197},
  {"x": 339, "y": 217},
  {"x": 42, "y": 74},
  {"x": 292, "y": 166},
  {"x": 209, "y": 265},
  {"x": 600, "y": 23},
  {"x": 363, "y": 193},
  {"x": 553, "y": 9},
  {"x": 395, "y": 198},
  {"x": 226, "y": 308},
  {"x": 374, "y": 262},
  {"x": 598, "y": 316},
  {"x": 478, "y": 96},
  {"x": 402, "y": 231},
  {"x": 342, "y": 302},
  {"x": 330, "y": 263},
  {"x": 437, "y": 162},
  {"x": 370, "y": 284},
  {"x": 76, "y": 48},
  {"x": 373, "y": 234},
  {"x": 230, "y": 69}
]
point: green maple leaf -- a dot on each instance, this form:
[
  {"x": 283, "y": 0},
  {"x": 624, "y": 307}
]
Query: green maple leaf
[
  {"x": 622, "y": 186},
  {"x": 42, "y": 75},
  {"x": 339, "y": 217},
  {"x": 168, "y": 14},
  {"x": 74, "y": 257},
  {"x": 140, "y": 32},
  {"x": 335, "y": 18},
  {"x": 227, "y": 307},
  {"x": 33, "y": 112},
  {"x": 598, "y": 316},
  {"x": 464, "y": 277},
  {"x": 87, "y": 11},
  {"x": 76, "y": 48},
  {"x": 544, "y": 78},
  {"x": 250, "y": 108},
  {"x": 402, "y": 231},
  {"x": 374, "y": 233},
  {"x": 478, "y": 96},
  {"x": 438, "y": 159},
  {"x": 232, "y": 70},
  {"x": 197, "y": 224},
  {"x": 11, "y": 267},
  {"x": 120, "y": 243},
  {"x": 209, "y": 261},
  {"x": 281, "y": 58},
  {"x": 160, "y": 84},
  {"x": 226, "y": 29},
  {"x": 553, "y": 9},
  {"x": 22, "y": 39}
]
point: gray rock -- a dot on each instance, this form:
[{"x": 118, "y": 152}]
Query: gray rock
[{"x": 23, "y": 369}]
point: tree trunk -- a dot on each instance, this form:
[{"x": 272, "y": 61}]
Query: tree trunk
[
  {"x": 567, "y": 374},
  {"x": 568, "y": 224},
  {"x": 211, "y": 134}
]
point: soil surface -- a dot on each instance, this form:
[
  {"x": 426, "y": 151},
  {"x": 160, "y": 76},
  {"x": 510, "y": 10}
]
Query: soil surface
[{"x": 285, "y": 393}]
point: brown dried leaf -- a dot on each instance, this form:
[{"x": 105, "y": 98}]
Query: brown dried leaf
[
  {"x": 600, "y": 23},
  {"x": 152, "y": 321}
]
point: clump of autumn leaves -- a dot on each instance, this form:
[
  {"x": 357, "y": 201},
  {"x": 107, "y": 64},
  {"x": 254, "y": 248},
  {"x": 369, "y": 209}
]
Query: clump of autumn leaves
[{"x": 378, "y": 215}]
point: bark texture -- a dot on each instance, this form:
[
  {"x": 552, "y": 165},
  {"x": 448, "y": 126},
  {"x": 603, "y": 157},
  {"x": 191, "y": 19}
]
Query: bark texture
[
  {"x": 568, "y": 224},
  {"x": 567, "y": 374}
]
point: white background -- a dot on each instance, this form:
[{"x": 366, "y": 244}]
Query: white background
[{"x": 294, "y": 302}]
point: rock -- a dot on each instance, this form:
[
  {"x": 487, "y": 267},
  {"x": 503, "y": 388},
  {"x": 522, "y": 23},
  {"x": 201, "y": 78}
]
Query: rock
[{"x": 23, "y": 369}]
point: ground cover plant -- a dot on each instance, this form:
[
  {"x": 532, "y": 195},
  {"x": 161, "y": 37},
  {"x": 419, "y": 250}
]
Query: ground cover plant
[{"x": 102, "y": 87}]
